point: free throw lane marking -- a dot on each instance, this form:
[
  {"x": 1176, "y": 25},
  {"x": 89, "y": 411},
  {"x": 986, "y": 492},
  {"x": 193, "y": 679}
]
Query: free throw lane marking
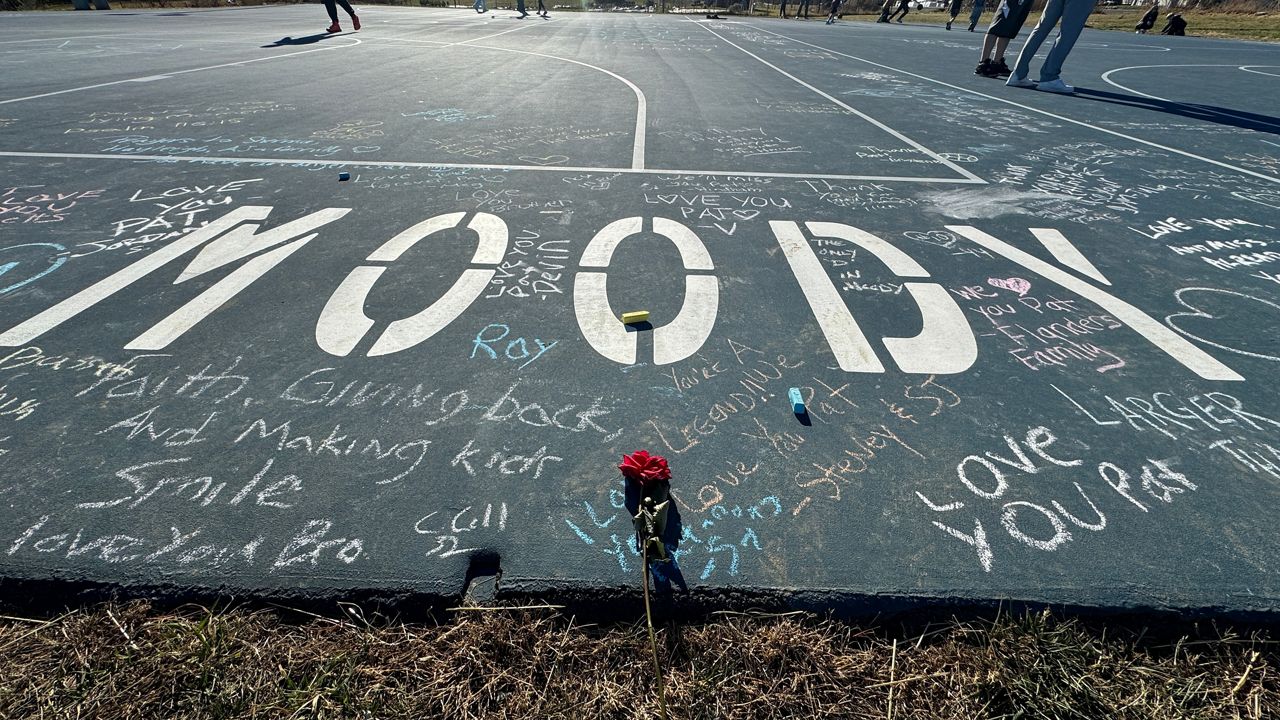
[
  {"x": 965, "y": 173},
  {"x": 1028, "y": 108},
  {"x": 642, "y": 105},
  {"x": 472, "y": 166}
]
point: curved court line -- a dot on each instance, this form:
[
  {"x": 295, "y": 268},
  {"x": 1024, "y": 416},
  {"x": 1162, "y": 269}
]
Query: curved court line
[
  {"x": 1038, "y": 111},
  {"x": 1247, "y": 69},
  {"x": 170, "y": 73},
  {"x": 959, "y": 170},
  {"x": 642, "y": 106},
  {"x": 1106, "y": 77}
]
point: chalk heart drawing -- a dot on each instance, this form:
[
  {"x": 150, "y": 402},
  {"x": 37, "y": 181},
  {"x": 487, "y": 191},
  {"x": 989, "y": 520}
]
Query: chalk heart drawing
[
  {"x": 941, "y": 238},
  {"x": 1018, "y": 285},
  {"x": 1251, "y": 317},
  {"x": 548, "y": 160}
]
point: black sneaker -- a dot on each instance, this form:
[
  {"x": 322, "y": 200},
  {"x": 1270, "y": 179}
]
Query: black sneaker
[
  {"x": 1000, "y": 69},
  {"x": 984, "y": 69}
]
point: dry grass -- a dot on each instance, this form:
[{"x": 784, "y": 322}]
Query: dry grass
[
  {"x": 1239, "y": 25},
  {"x": 128, "y": 661}
]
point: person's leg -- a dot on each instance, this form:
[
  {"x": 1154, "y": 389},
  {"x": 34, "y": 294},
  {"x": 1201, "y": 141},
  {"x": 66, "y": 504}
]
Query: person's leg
[
  {"x": 1002, "y": 44},
  {"x": 998, "y": 66},
  {"x": 976, "y": 14},
  {"x": 347, "y": 6},
  {"x": 988, "y": 42},
  {"x": 1075, "y": 14},
  {"x": 332, "y": 8},
  {"x": 1052, "y": 12},
  {"x": 984, "y": 64}
]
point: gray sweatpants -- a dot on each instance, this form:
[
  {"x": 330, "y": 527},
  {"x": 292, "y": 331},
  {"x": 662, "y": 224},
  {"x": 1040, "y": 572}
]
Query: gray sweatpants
[{"x": 1074, "y": 14}]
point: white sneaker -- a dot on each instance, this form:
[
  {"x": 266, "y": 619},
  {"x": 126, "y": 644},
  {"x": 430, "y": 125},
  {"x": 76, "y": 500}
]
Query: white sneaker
[
  {"x": 1019, "y": 82},
  {"x": 1056, "y": 86}
]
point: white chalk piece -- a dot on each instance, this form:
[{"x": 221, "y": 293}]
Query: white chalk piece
[
  {"x": 343, "y": 176},
  {"x": 797, "y": 402}
]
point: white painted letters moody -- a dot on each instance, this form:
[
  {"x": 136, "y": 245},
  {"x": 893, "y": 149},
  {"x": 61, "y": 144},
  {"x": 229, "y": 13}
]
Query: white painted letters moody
[{"x": 945, "y": 344}]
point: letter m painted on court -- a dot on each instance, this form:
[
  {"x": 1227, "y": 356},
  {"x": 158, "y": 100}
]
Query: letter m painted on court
[{"x": 224, "y": 242}]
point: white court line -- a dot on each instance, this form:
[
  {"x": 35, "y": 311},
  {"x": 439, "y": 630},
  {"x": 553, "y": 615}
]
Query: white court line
[
  {"x": 1108, "y": 46},
  {"x": 482, "y": 37},
  {"x": 1249, "y": 69},
  {"x": 1106, "y": 77},
  {"x": 207, "y": 36},
  {"x": 475, "y": 166},
  {"x": 642, "y": 106},
  {"x": 965, "y": 173},
  {"x": 1029, "y": 108},
  {"x": 74, "y": 37},
  {"x": 179, "y": 72}
]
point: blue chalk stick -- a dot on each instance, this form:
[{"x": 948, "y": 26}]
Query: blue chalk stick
[
  {"x": 797, "y": 401},
  {"x": 344, "y": 176}
]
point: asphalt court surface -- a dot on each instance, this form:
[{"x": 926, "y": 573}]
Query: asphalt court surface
[{"x": 1036, "y": 334}]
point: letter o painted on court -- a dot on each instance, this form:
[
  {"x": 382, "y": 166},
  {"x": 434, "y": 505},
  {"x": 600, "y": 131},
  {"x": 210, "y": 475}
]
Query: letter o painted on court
[
  {"x": 343, "y": 324},
  {"x": 676, "y": 340}
]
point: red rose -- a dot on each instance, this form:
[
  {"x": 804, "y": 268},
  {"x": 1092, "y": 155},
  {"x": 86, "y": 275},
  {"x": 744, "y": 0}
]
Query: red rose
[{"x": 645, "y": 468}]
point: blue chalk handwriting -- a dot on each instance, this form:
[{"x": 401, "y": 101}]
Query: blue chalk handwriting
[{"x": 488, "y": 344}]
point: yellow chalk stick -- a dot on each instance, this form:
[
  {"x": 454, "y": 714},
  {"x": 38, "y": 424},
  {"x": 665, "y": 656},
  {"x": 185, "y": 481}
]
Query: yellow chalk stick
[{"x": 635, "y": 317}]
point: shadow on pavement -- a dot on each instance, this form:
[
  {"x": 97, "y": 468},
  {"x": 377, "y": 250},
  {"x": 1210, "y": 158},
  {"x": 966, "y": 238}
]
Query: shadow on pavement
[
  {"x": 667, "y": 577},
  {"x": 1206, "y": 113},
  {"x": 665, "y": 574},
  {"x": 305, "y": 40}
]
